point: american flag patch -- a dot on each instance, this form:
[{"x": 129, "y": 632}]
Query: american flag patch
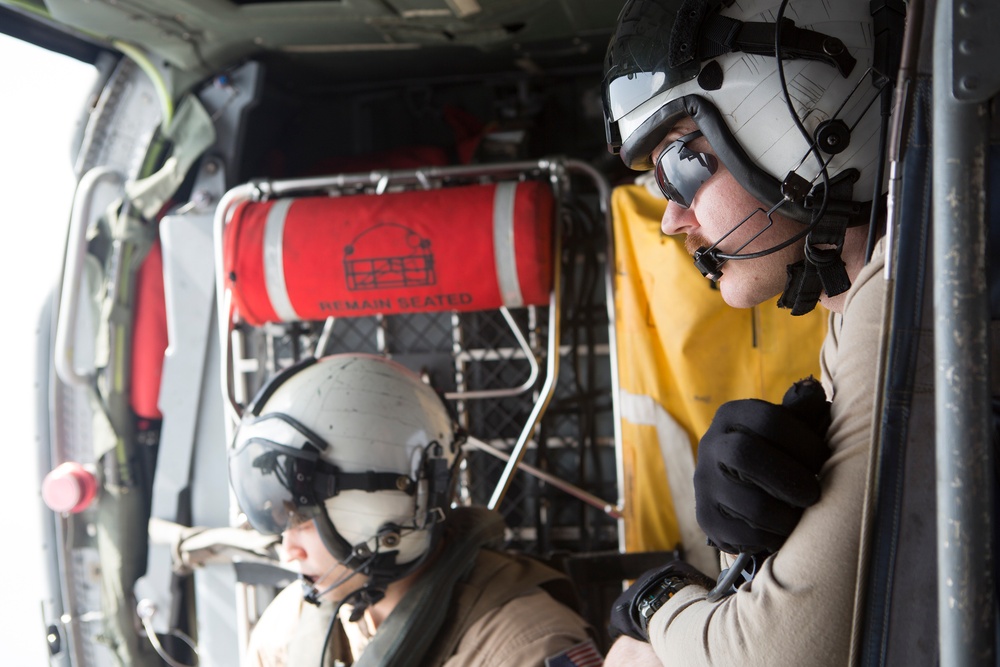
[{"x": 581, "y": 655}]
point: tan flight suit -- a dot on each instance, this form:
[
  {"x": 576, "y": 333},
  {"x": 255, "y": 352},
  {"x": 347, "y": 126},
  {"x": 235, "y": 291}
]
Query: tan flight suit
[
  {"x": 499, "y": 616},
  {"x": 798, "y": 609}
]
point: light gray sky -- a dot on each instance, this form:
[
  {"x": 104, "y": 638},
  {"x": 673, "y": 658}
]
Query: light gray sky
[{"x": 42, "y": 96}]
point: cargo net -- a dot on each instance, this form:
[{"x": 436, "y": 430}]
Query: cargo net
[{"x": 473, "y": 351}]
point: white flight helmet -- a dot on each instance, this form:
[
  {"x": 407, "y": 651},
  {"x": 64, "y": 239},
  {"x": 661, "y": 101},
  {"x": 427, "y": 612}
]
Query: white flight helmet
[
  {"x": 358, "y": 443},
  {"x": 714, "y": 60}
]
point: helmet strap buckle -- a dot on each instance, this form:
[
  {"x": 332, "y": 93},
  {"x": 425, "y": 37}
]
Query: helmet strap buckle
[{"x": 822, "y": 270}]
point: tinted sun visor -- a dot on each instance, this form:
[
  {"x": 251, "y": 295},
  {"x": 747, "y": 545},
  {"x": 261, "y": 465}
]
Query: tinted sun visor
[{"x": 637, "y": 66}]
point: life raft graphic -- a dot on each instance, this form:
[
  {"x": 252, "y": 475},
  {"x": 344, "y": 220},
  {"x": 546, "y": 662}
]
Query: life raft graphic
[{"x": 388, "y": 256}]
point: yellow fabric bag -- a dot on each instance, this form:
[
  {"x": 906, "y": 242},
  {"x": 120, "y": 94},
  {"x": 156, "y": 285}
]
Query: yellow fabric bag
[{"x": 682, "y": 352}]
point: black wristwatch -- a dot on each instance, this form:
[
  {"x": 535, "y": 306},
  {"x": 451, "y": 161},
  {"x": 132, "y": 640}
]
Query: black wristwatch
[
  {"x": 632, "y": 610},
  {"x": 658, "y": 595}
]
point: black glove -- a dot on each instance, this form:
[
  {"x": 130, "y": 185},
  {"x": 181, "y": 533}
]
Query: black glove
[
  {"x": 757, "y": 467},
  {"x": 632, "y": 610}
]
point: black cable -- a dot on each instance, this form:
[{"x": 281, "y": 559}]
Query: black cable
[
  {"x": 795, "y": 116},
  {"x": 589, "y": 242},
  {"x": 329, "y": 628}
]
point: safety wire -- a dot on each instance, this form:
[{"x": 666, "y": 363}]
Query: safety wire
[
  {"x": 159, "y": 83},
  {"x": 883, "y": 141}
]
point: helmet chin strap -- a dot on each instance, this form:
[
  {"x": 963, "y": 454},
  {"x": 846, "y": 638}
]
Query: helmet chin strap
[{"x": 822, "y": 269}]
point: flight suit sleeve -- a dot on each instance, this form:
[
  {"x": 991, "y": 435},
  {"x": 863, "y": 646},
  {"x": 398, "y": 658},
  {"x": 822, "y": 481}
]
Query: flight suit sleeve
[{"x": 798, "y": 609}]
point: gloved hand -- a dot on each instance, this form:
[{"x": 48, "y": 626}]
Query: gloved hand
[
  {"x": 632, "y": 609},
  {"x": 757, "y": 467}
]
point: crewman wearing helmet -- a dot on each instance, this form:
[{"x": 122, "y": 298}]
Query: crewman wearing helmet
[
  {"x": 762, "y": 122},
  {"x": 351, "y": 457}
]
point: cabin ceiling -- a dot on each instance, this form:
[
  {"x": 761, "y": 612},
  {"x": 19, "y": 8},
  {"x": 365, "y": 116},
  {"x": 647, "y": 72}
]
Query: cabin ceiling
[{"x": 353, "y": 40}]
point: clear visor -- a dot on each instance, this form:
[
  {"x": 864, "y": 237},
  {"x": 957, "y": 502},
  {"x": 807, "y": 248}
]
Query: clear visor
[{"x": 272, "y": 481}]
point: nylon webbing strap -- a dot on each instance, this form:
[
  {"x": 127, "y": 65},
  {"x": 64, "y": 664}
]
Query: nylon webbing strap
[
  {"x": 331, "y": 483},
  {"x": 823, "y": 270},
  {"x": 721, "y": 35},
  {"x": 802, "y": 288},
  {"x": 274, "y": 261},
  {"x": 503, "y": 245}
]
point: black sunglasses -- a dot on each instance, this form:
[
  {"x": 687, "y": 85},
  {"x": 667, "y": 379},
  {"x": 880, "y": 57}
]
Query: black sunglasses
[{"x": 680, "y": 171}]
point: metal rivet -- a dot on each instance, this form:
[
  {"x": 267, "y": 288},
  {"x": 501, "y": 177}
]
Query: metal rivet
[
  {"x": 966, "y": 9},
  {"x": 966, "y": 47},
  {"x": 833, "y": 46},
  {"x": 970, "y": 83}
]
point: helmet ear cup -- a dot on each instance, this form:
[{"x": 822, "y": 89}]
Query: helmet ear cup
[
  {"x": 833, "y": 136},
  {"x": 389, "y": 536}
]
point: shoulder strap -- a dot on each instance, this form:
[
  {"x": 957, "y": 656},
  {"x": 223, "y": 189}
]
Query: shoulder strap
[{"x": 411, "y": 629}]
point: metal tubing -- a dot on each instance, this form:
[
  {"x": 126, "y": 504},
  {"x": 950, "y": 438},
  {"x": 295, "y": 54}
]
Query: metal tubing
[
  {"x": 383, "y": 179},
  {"x": 548, "y": 389},
  {"x": 76, "y": 252},
  {"x": 604, "y": 200},
  {"x": 223, "y": 301},
  {"x": 963, "y": 444},
  {"x": 510, "y": 391},
  {"x": 561, "y": 484}
]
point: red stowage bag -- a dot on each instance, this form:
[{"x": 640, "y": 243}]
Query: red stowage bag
[
  {"x": 463, "y": 248},
  {"x": 149, "y": 339}
]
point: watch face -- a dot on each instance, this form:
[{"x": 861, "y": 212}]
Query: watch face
[{"x": 650, "y": 603}]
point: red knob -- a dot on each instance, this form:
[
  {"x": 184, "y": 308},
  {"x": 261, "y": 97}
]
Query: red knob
[{"x": 69, "y": 488}]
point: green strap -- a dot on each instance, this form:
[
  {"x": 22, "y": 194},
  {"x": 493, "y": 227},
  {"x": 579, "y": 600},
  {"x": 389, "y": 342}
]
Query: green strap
[
  {"x": 410, "y": 630},
  {"x": 121, "y": 513}
]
